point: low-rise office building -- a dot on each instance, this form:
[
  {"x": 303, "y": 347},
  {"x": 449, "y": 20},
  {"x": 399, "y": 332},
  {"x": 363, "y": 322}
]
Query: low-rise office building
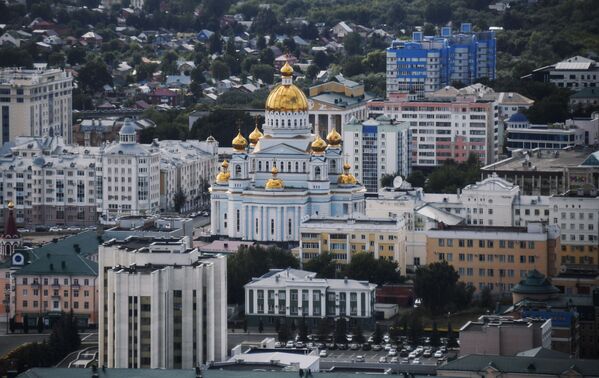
[
  {"x": 504, "y": 336},
  {"x": 286, "y": 294},
  {"x": 165, "y": 304},
  {"x": 575, "y": 73},
  {"x": 494, "y": 257},
  {"x": 343, "y": 237}
]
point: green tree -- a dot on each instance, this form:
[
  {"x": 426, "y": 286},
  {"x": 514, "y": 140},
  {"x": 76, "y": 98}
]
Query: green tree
[
  {"x": 352, "y": 43},
  {"x": 215, "y": 43},
  {"x": 435, "y": 339},
  {"x": 265, "y": 21},
  {"x": 284, "y": 332},
  {"x": 375, "y": 61},
  {"x": 341, "y": 331},
  {"x": 486, "y": 298},
  {"x": 323, "y": 265},
  {"x": 265, "y": 72},
  {"x": 312, "y": 71},
  {"x": 302, "y": 330},
  {"x": 417, "y": 179},
  {"x": 358, "y": 334},
  {"x": 416, "y": 328},
  {"x": 452, "y": 176},
  {"x": 377, "y": 335},
  {"x": 353, "y": 66},
  {"x": 435, "y": 283},
  {"x": 387, "y": 180},
  {"x": 219, "y": 70},
  {"x": 463, "y": 295},
  {"x": 94, "y": 75},
  {"x": 321, "y": 59},
  {"x": 364, "y": 266},
  {"x": 438, "y": 11},
  {"x": 179, "y": 200},
  {"x": 324, "y": 329}
]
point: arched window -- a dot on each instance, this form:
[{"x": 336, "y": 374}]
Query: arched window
[
  {"x": 281, "y": 165},
  {"x": 267, "y": 164},
  {"x": 288, "y": 166},
  {"x": 256, "y": 225},
  {"x": 296, "y": 166},
  {"x": 289, "y": 226},
  {"x": 272, "y": 226},
  {"x": 317, "y": 173},
  {"x": 259, "y": 166},
  {"x": 304, "y": 167},
  {"x": 333, "y": 165},
  {"x": 237, "y": 170}
]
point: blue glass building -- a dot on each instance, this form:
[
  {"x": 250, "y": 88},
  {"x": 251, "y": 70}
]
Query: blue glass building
[{"x": 428, "y": 63}]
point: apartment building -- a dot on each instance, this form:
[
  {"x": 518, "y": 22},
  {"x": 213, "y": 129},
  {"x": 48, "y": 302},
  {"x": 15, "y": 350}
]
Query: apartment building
[
  {"x": 165, "y": 305},
  {"x": 54, "y": 183},
  {"x": 548, "y": 171},
  {"x": 446, "y": 127},
  {"x": 493, "y": 335},
  {"x": 521, "y": 134},
  {"x": 35, "y": 102},
  {"x": 291, "y": 293},
  {"x": 427, "y": 63},
  {"x": 343, "y": 237},
  {"x": 575, "y": 73},
  {"x": 376, "y": 148},
  {"x": 492, "y": 256},
  {"x": 576, "y": 212}
]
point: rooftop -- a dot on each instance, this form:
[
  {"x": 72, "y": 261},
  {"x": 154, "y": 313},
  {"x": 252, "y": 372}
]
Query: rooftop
[
  {"x": 546, "y": 160},
  {"x": 523, "y": 365},
  {"x": 107, "y": 373},
  {"x": 297, "y": 277},
  {"x": 535, "y": 283}
]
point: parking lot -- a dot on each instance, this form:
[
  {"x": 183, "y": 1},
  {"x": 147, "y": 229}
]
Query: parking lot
[{"x": 369, "y": 356}]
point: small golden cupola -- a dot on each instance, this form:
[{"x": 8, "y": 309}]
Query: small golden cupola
[
  {"x": 274, "y": 182},
  {"x": 255, "y": 136},
  {"x": 318, "y": 145},
  {"x": 239, "y": 143},
  {"x": 346, "y": 178},
  {"x": 223, "y": 176},
  {"x": 334, "y": 139}
]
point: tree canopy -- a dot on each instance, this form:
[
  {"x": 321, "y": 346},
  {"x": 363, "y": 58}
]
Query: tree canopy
[
  {"x": 435, "y": 284},
  {"x": 363, "y": 266}
]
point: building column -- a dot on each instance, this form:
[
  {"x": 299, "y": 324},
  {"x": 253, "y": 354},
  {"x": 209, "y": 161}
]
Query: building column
[{"x": 330, "y": 122}]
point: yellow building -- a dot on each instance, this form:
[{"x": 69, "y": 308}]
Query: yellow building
[
  {"x": 344, "y": 237},
  {"x": 496, "y": 257}
]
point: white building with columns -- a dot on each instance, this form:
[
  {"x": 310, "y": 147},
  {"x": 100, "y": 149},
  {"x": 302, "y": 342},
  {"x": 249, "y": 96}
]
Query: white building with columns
[
  {"x": 165, "y": 304},
  {"x": 291, "y": 293},
  {"x": 283, "y": 176}
]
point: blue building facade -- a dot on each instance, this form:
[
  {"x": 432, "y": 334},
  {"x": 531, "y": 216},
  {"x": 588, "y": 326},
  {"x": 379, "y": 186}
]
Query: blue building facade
[{"x": 428, "y": 63}]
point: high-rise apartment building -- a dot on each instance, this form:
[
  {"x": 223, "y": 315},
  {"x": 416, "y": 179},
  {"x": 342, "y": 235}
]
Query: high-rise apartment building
[
  {"x": 427, "y": 63},
  {"x": 164, "y": 304},
  {"x": 35, "y": 102},
  {"x": 378, "y": 147}
]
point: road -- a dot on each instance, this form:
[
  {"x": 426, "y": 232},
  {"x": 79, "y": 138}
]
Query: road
[{"x": 11, "y": 341}]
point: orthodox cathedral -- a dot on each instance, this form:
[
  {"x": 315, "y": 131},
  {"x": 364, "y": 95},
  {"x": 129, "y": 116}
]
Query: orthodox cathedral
[{"x": 284, "y": 175}]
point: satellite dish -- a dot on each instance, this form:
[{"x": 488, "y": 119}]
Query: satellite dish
[
  {"x": 563, "y": 269},
  {"x": 397, "y": 181}
]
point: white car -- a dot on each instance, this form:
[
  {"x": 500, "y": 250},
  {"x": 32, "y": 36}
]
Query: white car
[
  {"x": 438, "y": 354},
  {"x": 360, "y": 359},
  {"x": 387, "y": 347},
  {"x": 323, "y": 353},
  {"x": 383, "y": 360},
  {"x": 278, "y": 344},
  {"x": 386, "y": 339},
  {"x": 392, "y": 352},
  {"x": 413, "y": 355},
  {"x": 416, "y": 361},
  {"x": 289, "y": 344},
  {"x": 427, "y": 353},
  {"x": 394, "y": 360}
]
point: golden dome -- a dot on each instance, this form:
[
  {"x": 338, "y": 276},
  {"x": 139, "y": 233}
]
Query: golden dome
[
  {"x": 346, "y": 178},
  {"x": 239, "y": 143},
  {"x": 334, "y": 138},
  {"x": 11, "y": 205},
  {"x": 319, "y": 145},
  {"x": 255, "y": 136},
  {"x": 286, "y": 70},
  {"x": 224, "y": 175},
  {"x": 274, "y": 182},
  {"x": 286, "y": 97}
]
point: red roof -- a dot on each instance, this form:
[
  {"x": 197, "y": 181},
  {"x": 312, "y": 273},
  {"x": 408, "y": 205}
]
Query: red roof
[{"x": 163, "y": 92}]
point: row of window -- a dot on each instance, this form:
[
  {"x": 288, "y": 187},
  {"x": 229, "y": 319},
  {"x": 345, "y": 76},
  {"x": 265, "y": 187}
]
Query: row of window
[
  {"x": 469, "y": 243},
  {"x": 56, "y": 304},
  {"x": 442, "y": 256},
  {"x": 55, "y": 281}
]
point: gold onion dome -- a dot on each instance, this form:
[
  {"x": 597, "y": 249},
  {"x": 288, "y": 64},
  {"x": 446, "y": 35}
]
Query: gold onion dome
[
  {"x": 239, "y": 143},
  {"x": 334, "y": 138},
  {"x": 319, "y": 145},
  {"x": 11, "y": 205},
  {"x": 274, "y": 182},
  {"x": 346, "y": 178},
  {"x": 255, "y": 136},
  {"x": 286, "y": 97},
  {"x": 224, "y": 174}
]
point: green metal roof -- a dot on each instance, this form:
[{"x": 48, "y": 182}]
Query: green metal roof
[
  {"x": 586, "y": 93},
  {"x": 87, "y": 242},
  {"x": 60, "y": 264},
  {"x": 535, "y": 283}
]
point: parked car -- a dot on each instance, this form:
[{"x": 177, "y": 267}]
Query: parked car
[
  {"x": 323, "y": 353},
  {"x": 366, "y": 347},
  {"x": 331, "y": 346},
  {"x": 360, "y": 358},
  {"x": 354, "y": 346},
  {"x": 438, "y": 354},
  {"x": 278, "y": 344},
  {"x": 387, "y": 347},
  {"x": 289, "y": 344},
  {"x": 342, "y": 346},
  {"x": 394, "y": 360},
  {"x": 383, "y": 360},
  {"x": 386, "y": 339},
  {"x": 392, "y": 352},
  {"x": 416, "y": 361},
  {"x": 320, "y": 345},
  {"x": 377, "y": 347},
  {"x": 404, "y": 353},
  {"x": 299, "y": 344},
  {"x": 427, "y": 353},
  {"x": 23, "y": 230},
  {"x": 404, "y": 361}
]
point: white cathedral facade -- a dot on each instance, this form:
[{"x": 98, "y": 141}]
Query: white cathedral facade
[{"x": 283, "y": 175}]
